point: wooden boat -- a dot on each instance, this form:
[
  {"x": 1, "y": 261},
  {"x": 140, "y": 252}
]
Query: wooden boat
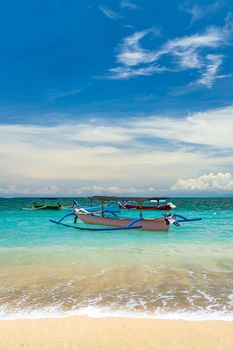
[
  {"x": 161, "y": 224},
  {"x": 45, "y": 205},
  {"x": 129, "y": 206},
  {"x": 114, "y": 222}
]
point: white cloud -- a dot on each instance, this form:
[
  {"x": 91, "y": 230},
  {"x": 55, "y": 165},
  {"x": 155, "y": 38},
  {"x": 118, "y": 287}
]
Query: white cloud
[
  {"x": 210, "y": 73},
  {"x": 49, "y": 190},
  {"x": 120, "y": 157},
  {"x": 109, "y": 13},
  {"x": 130, "y": 52},
  {"x": 10, "y": 189},
  {"x": 189, "y": 52},
  {"x": 13, "y": 189},
  {"x": 210, "y": 182},
  {"x": 126, "y": 72},
  {"x": 210, "y": 128},
  {"x": 212, "y": 38},
  {"x": 56, "y": 94},
  {"x": 129, "y": 4},
  {"x": 111, "y": 190},
  {"x": 78, "y": 191},
  {"x": 198, "y": 11}
]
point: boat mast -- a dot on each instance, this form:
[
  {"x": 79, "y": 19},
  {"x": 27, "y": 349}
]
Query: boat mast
[
  {"x": 102, "y": 207},
  {"x": 140, "y": 203}
]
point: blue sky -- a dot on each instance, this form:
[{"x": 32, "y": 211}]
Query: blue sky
[{"x": 93, "y": 93}]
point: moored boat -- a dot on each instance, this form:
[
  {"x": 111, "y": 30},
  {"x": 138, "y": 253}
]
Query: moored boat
[
  {"x": 47, "y": 206},
  {"x": 125, "y": 205},
  {"x": 114, "y": 222},
  {"x": 160, "y": 224},
  {"x": 43, "y": 205}
]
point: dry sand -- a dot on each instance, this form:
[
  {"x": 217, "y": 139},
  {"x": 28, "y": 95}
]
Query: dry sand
[{"x": 85, "y": 333}]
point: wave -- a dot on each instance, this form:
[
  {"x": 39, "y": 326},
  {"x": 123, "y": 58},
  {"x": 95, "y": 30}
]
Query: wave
[{"x": 54, "y": 312}]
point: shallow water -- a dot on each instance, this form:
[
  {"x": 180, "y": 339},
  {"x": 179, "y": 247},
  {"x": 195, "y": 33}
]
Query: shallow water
[{"x": 47, "y": 269}]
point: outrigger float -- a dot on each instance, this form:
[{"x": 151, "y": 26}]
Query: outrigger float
[{"x": 114, "y": 222}]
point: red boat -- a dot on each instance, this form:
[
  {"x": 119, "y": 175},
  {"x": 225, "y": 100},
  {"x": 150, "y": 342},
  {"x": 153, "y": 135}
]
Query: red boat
[{"x": 128, "y": 206}]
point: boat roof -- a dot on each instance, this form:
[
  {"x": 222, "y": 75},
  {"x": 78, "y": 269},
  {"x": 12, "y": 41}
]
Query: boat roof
[{"x": 128, "y": 198}]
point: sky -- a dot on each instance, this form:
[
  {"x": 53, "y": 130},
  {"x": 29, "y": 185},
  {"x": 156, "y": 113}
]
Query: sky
[{"x": 116, "y": 97}]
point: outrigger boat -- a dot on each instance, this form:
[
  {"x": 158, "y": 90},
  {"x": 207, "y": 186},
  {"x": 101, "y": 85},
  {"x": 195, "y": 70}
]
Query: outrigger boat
[
  {"x": 128, "y": 206},
  {"x": 44, "y": 205},
  {"x": 114, "y": 222}
]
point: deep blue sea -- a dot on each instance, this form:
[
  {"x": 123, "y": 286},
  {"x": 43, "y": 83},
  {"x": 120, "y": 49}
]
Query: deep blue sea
[{"x": 50, "y": 270}]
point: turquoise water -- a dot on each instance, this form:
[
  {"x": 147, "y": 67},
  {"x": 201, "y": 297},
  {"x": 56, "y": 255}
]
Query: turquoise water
[{"x": 49, "y": 270}]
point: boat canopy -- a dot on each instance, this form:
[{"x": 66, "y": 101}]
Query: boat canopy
[{"x": 138, "y": 200}]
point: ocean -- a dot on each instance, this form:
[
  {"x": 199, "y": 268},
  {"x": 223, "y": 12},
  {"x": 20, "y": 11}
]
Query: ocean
[{"x": 48, "y": 270}]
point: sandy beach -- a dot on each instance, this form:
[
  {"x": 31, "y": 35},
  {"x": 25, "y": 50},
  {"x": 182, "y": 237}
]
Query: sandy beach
[{"x": 115, "y": 333}]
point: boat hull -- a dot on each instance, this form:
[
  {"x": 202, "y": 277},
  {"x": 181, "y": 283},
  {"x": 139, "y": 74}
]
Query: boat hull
[
  {"x": 47, "y": 206},
  {"x": 137, "y": 207},
  {"x": 147, "y": 224}
]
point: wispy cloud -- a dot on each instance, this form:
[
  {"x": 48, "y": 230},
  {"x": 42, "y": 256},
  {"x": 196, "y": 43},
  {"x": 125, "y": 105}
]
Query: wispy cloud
[
  {"x": 213, "y": 37},
  {"x": 130, "y": 52},
  {"x": 198, "y": 11},
  {"x": 133, "y": 59},
  {"x": 127, "y": 72},
  {"x": 56, "y": 94},
  {"x": 211, "y": 70},
  {"x": 188, "y": 52},
  {"x": 129, "y": 4},
  {"x": 109, "y": 13}
]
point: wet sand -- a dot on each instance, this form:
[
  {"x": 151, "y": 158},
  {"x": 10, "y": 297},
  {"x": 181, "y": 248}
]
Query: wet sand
[{"x": 115, "y": 333}]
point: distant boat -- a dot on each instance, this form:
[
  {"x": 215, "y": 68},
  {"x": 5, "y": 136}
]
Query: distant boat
[
  {"x": 167, "y": 206},
  {"x": 47, "y": 206},
  {"x": 44, "y": 205}
]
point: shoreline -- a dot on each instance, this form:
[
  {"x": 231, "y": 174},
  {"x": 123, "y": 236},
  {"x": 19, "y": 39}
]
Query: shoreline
[
  {"x": 114, "y": 333},
  {"x": 99, "y": 313}
]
